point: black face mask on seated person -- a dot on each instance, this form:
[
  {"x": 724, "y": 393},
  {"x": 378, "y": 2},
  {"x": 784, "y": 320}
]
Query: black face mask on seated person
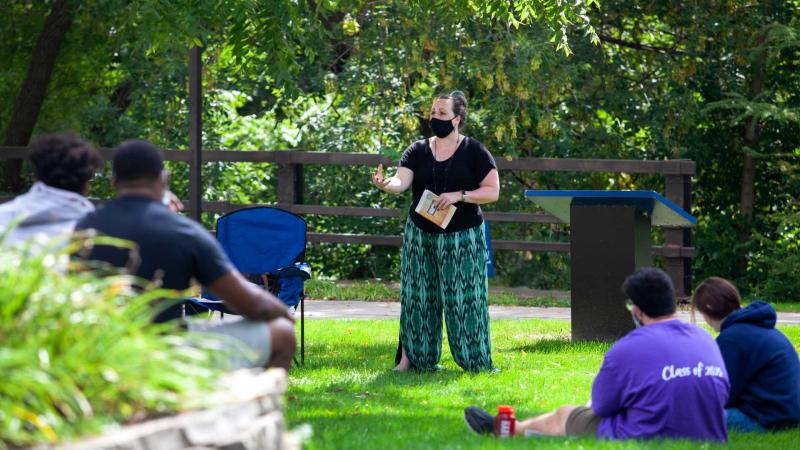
[{"x": 442, "y": 128}]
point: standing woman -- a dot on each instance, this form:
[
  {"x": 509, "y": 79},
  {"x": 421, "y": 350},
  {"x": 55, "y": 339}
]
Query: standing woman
[{"x": 445, "y": 269}]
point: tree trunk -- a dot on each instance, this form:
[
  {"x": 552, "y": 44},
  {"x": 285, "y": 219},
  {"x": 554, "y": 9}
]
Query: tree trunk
[
  {"x": 33, "y": 91},
  {"x": 747, "y": 195}
]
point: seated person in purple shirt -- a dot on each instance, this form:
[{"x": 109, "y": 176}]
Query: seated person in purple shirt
[
  {"x": 665, "y": 379},
  {"x": 762, "y": 363},
  {"x": 172, "y": 250}
]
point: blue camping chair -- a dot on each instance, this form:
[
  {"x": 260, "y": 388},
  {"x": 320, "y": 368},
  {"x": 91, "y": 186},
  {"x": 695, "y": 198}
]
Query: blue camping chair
[{"x": 267, "y": 245}]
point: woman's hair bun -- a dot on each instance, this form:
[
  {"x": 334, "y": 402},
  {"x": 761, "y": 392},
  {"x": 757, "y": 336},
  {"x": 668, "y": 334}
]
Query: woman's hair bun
[
  {"x": 457, "y": 93},
  {"x": 459, "y": 106}
]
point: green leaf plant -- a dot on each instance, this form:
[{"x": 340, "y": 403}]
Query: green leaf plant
[{"x": 79, "y": 353}]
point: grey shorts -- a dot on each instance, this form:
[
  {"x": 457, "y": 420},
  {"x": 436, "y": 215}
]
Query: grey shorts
[
  {"x": 582, "y": 421},
  {"x": 241, "y": 342}
]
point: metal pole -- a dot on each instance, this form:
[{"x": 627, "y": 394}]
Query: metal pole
[{"x": 195, "y": 132}]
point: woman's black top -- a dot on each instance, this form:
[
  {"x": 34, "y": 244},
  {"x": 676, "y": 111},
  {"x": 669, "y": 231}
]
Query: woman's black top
[{"x": 465, "y": 170}]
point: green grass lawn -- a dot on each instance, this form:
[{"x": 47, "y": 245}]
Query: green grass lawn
[
  {"x": 378, "y": 291},
  {"x": 352, "y": 400}
]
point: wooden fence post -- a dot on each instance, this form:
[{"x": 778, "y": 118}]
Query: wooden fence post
[
  {"x": 195, "y": 133},
  {"x": 290, "y": 184},
  {"x": 678, "y": 190},
  {"x": 687, "y": 233}
]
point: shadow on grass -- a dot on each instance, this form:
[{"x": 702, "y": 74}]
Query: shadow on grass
[
  {"x": 562, "y": 345},
  {"x": 442, "y": 377},
  {"x": 375, "y": 360},
  {"x": 373, "y": 357}
]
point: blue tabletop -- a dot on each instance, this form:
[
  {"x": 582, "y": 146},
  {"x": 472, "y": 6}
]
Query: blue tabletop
[{"x": 661, "y": 211}]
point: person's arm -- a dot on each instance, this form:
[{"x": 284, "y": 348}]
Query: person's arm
[
  {"x": 248, "y": 299},
  {"x": 396, "y": 184},
  {"x": 487, "y": 192},
  {"x": 736, "y": 364},
  {"x": 607, "y": 389}
]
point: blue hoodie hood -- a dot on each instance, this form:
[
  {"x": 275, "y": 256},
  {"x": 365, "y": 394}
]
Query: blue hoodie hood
[{"x": 757, "y": 313}]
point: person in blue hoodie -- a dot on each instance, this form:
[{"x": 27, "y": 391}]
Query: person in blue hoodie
[{"x": 762, "y": 364}]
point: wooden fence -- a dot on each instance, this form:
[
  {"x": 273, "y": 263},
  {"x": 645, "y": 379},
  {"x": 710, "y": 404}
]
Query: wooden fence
[{"x": 676, "y": 249}]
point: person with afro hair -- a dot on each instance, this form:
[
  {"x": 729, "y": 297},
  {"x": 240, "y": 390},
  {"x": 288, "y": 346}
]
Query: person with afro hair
[{"x": 63, "y": 165}]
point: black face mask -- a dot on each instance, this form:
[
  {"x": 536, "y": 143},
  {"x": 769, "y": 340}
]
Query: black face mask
[{"x": 442, "y": 128}]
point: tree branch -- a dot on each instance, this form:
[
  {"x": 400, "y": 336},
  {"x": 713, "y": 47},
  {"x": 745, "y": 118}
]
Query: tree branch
[{"x": 640, "y": 46}]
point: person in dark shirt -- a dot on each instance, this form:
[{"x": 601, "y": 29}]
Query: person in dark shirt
[
  {"x": 445, "y": 268},
  {"x": 171, "y": 251},
  {"x": 762, "y": 364}
]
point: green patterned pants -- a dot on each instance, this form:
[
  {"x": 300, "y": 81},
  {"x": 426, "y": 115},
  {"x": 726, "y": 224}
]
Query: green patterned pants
[{"x": 444, "y": 272}]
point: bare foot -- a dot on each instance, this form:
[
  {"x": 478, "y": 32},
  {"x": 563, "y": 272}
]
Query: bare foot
[{"x": 404, "y": 364}]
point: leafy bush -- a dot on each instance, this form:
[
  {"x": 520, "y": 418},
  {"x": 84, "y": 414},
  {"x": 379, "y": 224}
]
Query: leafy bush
[
  {"x": 775, "y": 268},
  {"x": 79, "y": 353}
]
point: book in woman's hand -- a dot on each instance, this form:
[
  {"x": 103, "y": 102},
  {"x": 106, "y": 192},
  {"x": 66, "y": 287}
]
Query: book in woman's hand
[{"x": 427, "y": 209}]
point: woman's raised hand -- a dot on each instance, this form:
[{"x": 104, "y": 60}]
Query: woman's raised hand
[{"x": 378, "y": 180}]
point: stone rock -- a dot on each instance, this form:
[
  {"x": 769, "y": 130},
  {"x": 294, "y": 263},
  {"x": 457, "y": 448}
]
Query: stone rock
[
  {"x": 263, "y": 434},
  {"x": 244, "y": 414}
]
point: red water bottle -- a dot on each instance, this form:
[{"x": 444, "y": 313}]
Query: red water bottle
[{"x": 505, "y": 421}]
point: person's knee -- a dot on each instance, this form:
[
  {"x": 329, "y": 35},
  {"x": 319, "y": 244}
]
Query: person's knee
[
  {"x": 561, "y": 417},
  {"x": 283, "y": 335},
  {"x": 564, "y": 411}
]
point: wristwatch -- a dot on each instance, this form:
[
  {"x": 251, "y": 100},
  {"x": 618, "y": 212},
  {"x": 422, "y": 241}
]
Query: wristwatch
[{"x": 463, "y": 195}]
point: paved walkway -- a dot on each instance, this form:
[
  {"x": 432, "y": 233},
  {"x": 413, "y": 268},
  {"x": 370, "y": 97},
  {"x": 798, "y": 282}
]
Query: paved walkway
[{"x": 339, "y": 309}]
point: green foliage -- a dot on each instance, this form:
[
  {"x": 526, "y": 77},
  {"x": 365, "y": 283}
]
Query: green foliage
[
  {"x": 79, "y": 354},
  {"x": 352, "y": 400},
  {"x": 667, "y": 80},
  {"x": 778, "y": 258}
]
